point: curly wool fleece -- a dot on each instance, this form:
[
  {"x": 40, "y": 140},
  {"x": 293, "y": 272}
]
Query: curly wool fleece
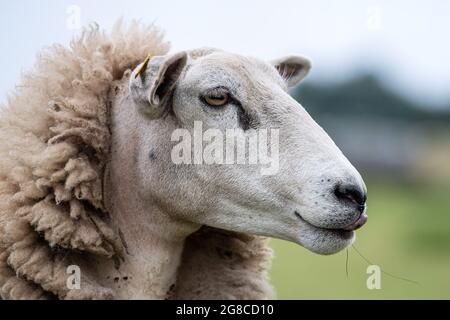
[{"x": 54, "y": 141}]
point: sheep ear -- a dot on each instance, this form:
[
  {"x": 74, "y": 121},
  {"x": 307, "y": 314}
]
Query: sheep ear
[
  {"x": 293, "y": 69},
  {"x": 153, "y": 81}
]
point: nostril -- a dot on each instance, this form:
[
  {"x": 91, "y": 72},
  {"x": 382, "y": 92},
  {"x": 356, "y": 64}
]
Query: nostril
[{"x": 351, "y": 193}]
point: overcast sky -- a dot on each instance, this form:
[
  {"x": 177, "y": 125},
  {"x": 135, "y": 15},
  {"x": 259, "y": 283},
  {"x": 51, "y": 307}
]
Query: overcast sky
[{"x": 406, "y": 42}]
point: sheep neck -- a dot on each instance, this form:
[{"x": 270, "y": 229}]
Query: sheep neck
[
  {"x": 152, "y": 253},
  {"x": 152, "y": 239}
]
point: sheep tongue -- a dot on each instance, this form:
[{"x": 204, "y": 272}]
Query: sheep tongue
[{"x": 357, "y": 224}]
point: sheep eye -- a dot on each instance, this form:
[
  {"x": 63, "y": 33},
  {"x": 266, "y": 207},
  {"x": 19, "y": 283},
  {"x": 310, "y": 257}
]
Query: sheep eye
[{"x": 216, "y": 98}]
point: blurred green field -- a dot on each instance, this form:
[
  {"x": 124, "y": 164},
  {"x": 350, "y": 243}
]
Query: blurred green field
[{"x": 408, "y": 235}]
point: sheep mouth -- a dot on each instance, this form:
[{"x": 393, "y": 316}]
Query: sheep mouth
[{"x": 345, "y": 231}]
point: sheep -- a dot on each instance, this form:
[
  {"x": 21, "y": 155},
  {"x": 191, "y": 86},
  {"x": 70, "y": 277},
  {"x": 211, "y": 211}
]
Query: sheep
[{"x": 76, "y": 190}]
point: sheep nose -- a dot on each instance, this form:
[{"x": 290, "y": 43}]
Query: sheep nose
[{"x": 351, "y": 194}]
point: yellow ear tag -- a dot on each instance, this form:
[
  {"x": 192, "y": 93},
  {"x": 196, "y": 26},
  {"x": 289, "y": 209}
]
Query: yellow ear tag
[{"x": 142, "y": 67}]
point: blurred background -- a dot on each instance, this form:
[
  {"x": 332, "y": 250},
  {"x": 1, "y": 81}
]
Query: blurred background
[{"x": 380, "y": 86}]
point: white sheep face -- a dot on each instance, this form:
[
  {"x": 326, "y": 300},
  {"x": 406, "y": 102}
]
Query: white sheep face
[{"x": 309, "y": 193}]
